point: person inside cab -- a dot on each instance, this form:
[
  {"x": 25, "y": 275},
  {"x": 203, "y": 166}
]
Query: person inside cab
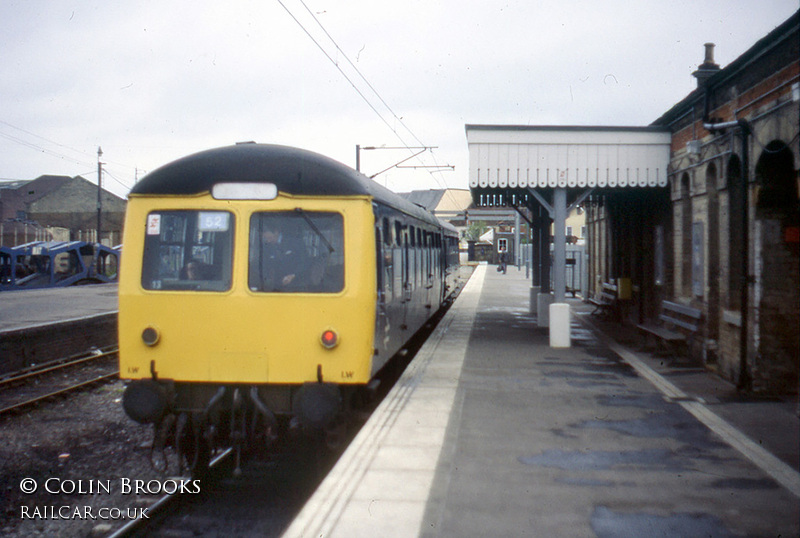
[{"x": 281, "y": 260}]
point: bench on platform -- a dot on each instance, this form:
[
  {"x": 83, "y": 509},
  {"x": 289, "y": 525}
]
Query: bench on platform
[
  {"x": 679, "y": 325},
  {"x": 606, "y": 300}
]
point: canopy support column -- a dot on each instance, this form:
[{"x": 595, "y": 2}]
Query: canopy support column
[{"x": 560, "y": 244}]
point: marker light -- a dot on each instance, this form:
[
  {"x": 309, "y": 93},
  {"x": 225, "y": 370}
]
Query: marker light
[
  {"x": 150, "y": 336},
  {"x": 244, "y": 191},
  {"x": 329, "y": 339}
]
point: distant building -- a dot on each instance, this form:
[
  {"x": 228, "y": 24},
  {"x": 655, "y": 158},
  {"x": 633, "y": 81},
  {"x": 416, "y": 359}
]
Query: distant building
[
  {"x": 505, "y": 229},
  {"x": 447, "y": 204},
  {"x": 29, "y": 208}
]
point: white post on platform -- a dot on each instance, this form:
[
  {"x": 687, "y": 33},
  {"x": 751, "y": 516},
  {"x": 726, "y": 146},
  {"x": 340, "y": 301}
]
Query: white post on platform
[
  {"x": 559, "y": 325},
  {"x": 534, "y": 297}
]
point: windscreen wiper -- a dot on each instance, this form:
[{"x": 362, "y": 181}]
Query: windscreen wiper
[{"x": 313, "y": 226}]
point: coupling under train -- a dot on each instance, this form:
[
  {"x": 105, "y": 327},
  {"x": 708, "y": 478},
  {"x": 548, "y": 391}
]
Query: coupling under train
[{"x": 263, "y": 289}]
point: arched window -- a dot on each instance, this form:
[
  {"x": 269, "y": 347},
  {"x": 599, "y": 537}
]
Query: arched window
[
  {"x": 387, "y": 232},
  {"x": 735, "y": 232},
  {"x": 777, "y": 197}
]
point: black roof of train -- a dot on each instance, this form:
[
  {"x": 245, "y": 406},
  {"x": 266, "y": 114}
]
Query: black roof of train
[{"x": 293, "y": 170}]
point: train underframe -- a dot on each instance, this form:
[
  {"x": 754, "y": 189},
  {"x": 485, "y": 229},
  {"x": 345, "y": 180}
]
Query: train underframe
[{"x": 193, "y": 420}]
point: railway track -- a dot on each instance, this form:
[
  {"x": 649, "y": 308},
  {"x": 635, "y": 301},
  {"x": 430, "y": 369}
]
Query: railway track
[
  {"x": 260, "y": 502},
  {"x": 157, "y": 511},
  {"x": 23, "y": 389}
]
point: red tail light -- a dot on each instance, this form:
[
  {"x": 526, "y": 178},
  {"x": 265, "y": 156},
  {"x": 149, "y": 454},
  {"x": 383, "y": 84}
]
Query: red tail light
[{"x": 329, "y": 339}]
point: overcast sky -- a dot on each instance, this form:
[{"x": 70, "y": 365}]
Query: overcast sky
[{"x": 152, "y": 81}]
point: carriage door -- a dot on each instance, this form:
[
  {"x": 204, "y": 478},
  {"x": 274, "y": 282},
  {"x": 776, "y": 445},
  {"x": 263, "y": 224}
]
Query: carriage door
[
  {"x": 407, "y": 265},
  {"x": 383, "y": 265}
]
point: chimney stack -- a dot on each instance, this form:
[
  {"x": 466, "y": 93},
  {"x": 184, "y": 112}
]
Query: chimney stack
[{"x": 708, "y": 68}]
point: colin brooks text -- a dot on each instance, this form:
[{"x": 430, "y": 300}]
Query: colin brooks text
[{"x": 125, "y": 486}]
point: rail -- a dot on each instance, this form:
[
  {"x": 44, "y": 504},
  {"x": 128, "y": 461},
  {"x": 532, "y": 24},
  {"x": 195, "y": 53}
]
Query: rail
[
  {"x": 15, "y": 402},
  {"x": 163, "y": 504}
]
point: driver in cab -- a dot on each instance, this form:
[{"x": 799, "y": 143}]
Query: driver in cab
[{"x": 281, "y": 260}]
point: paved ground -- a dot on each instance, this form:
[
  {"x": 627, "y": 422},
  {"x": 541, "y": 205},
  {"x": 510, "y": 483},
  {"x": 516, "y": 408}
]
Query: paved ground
[
  {"x": 493, "y": 433},
  {"x": 24, "y": 308}
]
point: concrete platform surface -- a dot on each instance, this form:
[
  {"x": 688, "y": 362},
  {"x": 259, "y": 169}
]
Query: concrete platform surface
[
  {"x": 21, "y": 309},
  {"x": 42, "y": 325},
  {"x": 491, "y": 432}
]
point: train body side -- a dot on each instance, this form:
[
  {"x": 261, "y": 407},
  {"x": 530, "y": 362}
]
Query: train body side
[{"x": 411, "y": 277}]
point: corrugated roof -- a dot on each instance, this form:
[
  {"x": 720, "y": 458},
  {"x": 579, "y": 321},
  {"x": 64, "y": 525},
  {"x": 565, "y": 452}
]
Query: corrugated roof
[{"x": 512, "y": 157}]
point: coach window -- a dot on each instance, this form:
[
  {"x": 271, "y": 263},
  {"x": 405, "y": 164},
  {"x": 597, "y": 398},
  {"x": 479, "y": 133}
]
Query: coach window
[
  {"x": 387, "y": 232},
  {"x": 296, "y": 252},
  {"x": 188, "y": 250}
]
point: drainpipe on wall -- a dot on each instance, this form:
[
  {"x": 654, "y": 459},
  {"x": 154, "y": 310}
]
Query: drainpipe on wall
[{"x": 705, "y": 72}]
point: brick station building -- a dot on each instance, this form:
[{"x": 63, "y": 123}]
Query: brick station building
[
  {"x": 700, "y": 208},
  {"x": 724, "y": 237}
]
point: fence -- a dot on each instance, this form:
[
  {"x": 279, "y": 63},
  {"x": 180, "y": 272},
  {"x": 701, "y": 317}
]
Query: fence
[{"x": 577, "y": 268}]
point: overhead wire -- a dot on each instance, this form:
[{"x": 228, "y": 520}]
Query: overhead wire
[
  {"x": 83, "y": 153},
  {"x": 83, "y": 162},
  {"x": 397, "y": 118},
  {"x": 41, "y": 149},
  {"x": 335, "y": 63},
  {"x": 360, "y": 74},
  {"x": 119, "y": 181},
  {"x": 443, "y": 182}
]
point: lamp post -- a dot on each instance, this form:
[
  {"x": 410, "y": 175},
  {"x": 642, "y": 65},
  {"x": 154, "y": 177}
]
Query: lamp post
[{"x": 99, "y": 190}]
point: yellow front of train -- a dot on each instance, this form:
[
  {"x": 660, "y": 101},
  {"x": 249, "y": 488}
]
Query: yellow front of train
[
  {"x": 245, "y": 296},
  {"x": 227, "y": 325}
]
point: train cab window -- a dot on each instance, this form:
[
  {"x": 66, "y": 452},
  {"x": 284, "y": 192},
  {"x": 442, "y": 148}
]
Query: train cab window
[
  {"x": 296, "y": 252},
  {"x": 188, "y": 250}
]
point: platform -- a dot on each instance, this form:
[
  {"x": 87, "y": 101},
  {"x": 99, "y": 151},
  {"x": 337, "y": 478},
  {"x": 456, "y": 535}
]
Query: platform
[
  {"x": 40, "y": 325},
  {"x": 21, "y": 309},
  {"x": 490, "y": 432}
]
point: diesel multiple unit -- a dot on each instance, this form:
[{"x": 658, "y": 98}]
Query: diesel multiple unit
[{"x": 262, "y": 289}]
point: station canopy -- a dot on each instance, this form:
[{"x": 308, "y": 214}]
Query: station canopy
[
  {"x": 506, "y": 161},
  {"x": 555, "y": 168}
]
